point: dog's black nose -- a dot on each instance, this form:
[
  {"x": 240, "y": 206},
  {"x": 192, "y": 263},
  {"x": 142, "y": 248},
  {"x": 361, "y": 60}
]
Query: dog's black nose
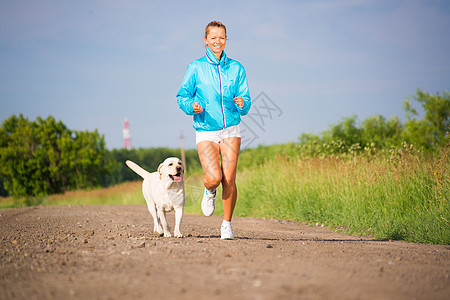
[{"x": 178, "y": 169}]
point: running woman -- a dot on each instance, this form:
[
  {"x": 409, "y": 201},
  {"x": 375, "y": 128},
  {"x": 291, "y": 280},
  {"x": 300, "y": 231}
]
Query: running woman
[{"x": 215, "y": 92}]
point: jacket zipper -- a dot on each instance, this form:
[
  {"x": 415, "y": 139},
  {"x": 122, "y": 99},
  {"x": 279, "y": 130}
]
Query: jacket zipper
[{"x": 221, "y": 95}]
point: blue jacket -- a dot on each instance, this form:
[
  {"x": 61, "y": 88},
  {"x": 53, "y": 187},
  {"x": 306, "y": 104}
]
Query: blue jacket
[{"x": 214, "y": 85}]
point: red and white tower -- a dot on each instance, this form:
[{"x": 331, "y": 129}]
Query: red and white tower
[{"x": 126, "y": 135}]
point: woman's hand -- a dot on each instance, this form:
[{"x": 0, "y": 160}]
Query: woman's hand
[
  {"x": 197, "y": 108},
  {"x": 239, "y": 101}
]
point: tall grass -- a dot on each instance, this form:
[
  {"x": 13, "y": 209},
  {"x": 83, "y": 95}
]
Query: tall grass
[
  {"x": 129, "y": 193},
  {"x": 402, "y": 197},
  {"x": 122, "y": 194}
]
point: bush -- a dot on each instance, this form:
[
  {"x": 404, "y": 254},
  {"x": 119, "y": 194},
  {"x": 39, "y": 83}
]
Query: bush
[
  {"x": 377, "y": 133},
  {"x": 43, "y": 157}
]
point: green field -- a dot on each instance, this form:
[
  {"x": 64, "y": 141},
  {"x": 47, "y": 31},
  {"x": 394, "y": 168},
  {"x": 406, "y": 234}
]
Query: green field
[{"x": 403, "y": 196}]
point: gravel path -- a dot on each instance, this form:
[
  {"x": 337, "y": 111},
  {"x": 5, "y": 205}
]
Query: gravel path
[{"x": 109, "y": 252}]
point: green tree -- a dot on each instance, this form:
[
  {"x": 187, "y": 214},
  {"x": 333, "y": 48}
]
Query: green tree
[
  {"x": 346, "y": 131},
  {"x": 43, "y": 157},
  {"x": 378, "y": 132},
  {"x": 430, "y": 131}
]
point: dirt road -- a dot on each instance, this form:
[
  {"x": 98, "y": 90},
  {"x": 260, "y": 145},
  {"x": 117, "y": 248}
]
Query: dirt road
[{"x": 109, "y": 252}]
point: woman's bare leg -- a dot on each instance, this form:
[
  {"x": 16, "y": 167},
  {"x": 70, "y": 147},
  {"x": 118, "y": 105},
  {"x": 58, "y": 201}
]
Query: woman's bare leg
[
  {"x": 229, "y": 150},
  {"x": 208, "y": 153}
]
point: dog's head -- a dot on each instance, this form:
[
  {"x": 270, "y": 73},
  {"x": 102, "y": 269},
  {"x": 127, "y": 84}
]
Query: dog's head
[{"x": 171, "y": 169}]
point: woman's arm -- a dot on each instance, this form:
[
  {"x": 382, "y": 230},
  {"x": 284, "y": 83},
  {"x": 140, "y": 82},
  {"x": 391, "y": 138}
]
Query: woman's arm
[
  {"x": 242, "y": 98},
  {"x": 185, "y": 96}
]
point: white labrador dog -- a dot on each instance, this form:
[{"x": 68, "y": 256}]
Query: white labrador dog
[{"x": 164, "y": 191}]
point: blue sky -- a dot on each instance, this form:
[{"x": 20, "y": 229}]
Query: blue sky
[{"x": 309, "y": 64}]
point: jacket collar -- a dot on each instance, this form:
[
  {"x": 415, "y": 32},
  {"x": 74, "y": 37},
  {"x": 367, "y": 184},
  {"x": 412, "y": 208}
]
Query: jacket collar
[{"x": 213, "y": 60}]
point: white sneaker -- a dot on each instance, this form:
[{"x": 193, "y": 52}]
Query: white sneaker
[
  {"x": 208, "y": 202},
  {"x": 226, "y": 232}
]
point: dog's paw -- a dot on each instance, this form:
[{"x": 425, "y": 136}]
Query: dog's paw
[
  {"x": 158, "y": 230},
  {"x": 178, "y": 234},
  {"x": 167, "y": 234}
]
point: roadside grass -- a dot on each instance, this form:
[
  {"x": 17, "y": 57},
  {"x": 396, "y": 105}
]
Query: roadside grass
[
  {"x": 121, "y": 194},
  {"x": 402, "y": 197},
  {"x": 128, "y": 193}
]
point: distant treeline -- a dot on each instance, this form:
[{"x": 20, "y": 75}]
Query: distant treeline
[
  {"x": 43, "y": 157},
  {"x": 426, "y": 132}
]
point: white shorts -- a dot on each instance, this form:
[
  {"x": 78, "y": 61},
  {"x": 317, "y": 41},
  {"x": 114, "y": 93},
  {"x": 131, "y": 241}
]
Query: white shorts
[{"x": 219, "y": 135}]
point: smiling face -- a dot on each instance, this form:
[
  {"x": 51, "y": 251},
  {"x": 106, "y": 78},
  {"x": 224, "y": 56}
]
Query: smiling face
[{"x": 216, "y": 40}]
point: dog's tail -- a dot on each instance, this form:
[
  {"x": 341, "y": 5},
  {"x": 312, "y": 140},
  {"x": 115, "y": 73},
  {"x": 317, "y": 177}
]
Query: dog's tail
[{"x": 133, "y": 166}]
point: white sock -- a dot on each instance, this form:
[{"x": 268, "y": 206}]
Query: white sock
[{"x": 224, "y": 223}]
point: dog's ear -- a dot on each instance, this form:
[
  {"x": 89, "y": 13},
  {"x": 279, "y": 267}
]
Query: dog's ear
[{"x": 159, "y": 170}]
